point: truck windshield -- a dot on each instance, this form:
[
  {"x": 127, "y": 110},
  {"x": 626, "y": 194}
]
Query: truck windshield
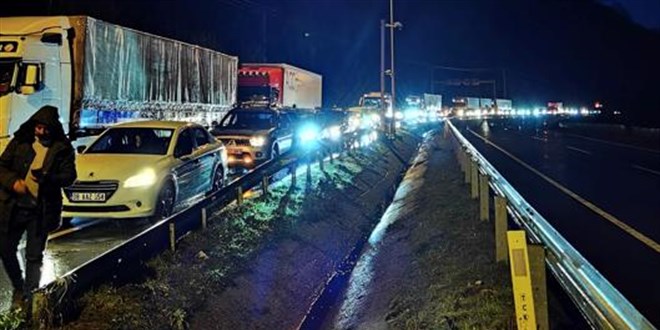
[
  {"x": 249, "y": 120},
  {"x": 261, "y": 94},
  {"x": 6, "y": 76},
  {"x": 133, "y": 140},
  {"x": 371, "y": 103}
]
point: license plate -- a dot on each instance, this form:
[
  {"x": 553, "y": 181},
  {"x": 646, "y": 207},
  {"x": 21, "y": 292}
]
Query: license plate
[{"x": 87, "y": 197}]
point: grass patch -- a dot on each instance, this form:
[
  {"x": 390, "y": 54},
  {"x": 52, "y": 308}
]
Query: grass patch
[{"x": 206, "y": 261}]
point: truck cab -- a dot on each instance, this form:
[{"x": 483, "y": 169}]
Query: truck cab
[
  {"x": 254, "y": 135},
  {"x": 35, "y": 70}
]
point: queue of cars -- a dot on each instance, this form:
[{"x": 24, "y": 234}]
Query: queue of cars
[{"x": 148, "y": 168}]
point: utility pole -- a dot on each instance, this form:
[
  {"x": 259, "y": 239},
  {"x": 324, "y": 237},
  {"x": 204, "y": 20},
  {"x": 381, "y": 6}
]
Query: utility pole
[
  {"x": 383, "y": 110},
  {"x": 392, "y": 25},
  {"x": 392, "y": 125}
]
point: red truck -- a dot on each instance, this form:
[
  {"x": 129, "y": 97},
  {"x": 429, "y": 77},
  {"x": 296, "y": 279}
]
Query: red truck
[{"x": 278, "y": 86}]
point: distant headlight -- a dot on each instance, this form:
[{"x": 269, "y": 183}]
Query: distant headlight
[
  {"x": 145, "y": 178},
  {"x": 335, "y": 133},
  {"x": 258, "y": 141},
  {"x": 308, "y": 133}
]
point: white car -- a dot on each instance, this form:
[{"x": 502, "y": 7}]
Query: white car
[{"x": 145, "y": 169}]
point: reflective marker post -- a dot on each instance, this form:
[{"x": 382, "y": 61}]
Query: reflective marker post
[{"x": 521, "y": 280}]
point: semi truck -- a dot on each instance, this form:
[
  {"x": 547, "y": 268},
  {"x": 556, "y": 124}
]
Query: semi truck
[
  {"x": 278, "y": 85},
  {"x": 97, "y": 73}
]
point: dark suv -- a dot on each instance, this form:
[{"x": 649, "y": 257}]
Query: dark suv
[{"x": 254, "y": 135}]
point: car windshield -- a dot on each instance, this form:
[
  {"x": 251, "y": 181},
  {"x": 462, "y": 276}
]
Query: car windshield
[
  {"x": 133, "y": 140},
  {"x": 249, "y": 120}
]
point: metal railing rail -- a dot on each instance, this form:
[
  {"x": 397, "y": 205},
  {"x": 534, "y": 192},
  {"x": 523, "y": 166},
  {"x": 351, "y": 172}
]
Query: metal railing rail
[
  {"x": 602, "y": 304},
  {"x": 55, "y": 302}
]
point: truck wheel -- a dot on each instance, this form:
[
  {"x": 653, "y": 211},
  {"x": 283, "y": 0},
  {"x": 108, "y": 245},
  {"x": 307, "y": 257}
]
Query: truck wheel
[{"x": 165, "y": 202}]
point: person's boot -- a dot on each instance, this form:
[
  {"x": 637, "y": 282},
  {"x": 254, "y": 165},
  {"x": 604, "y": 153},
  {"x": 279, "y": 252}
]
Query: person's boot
[{"x": 18, "y": 300}]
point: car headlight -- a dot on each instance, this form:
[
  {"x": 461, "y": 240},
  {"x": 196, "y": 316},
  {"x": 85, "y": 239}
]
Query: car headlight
[
  {"x": 335, "y": 133},
  {"x": 257, "y": 141},
  {"x": 145, "y": 178},
  {"x": 308, "y": 133}
]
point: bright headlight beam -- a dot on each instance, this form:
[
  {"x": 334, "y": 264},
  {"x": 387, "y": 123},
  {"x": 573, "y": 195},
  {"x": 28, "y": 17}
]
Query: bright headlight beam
[
  {"x": 145, "y": 178},
  {"x": 257, "y": 141}
]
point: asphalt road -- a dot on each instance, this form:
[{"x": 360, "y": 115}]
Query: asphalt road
[
  {"x": 622, "y": 181},
  {"x": 85, "y": 240}
]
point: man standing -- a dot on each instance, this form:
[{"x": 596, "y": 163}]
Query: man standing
[{"x": 34, "y": 167}]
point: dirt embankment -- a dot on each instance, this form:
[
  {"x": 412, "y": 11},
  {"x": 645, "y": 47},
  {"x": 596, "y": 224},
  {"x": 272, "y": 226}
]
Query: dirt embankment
[
  {"x": 259, "y": 265},
  {"x": 430, "y": 263}
]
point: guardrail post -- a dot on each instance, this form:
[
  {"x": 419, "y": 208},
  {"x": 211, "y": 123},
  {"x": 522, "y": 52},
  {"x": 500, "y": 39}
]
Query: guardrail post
[
  {"x": 484, "y": 211},
  {"x": 264, "y": 185},
  {"x": 309, "y": 172},
  {"x": 467, "y": 164},
  {"x": 203, "y": 218},
  {"x": 501, "y": 226},
  {"x": 474, "y": 167},
  {"x": 537, "y": 271},
  {"x": 172, "y": 237},
  {"x": 459, "y": 157},
  {"x": 321, "y": 161},
  {"x": 292, "y": 169},
  {"x": 239, "y": 195}
]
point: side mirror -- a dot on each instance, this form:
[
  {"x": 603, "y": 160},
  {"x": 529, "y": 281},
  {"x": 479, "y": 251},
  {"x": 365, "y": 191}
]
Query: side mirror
[
  {"x": 31, "y": 79},
  {"x": 80, "y": 149}
]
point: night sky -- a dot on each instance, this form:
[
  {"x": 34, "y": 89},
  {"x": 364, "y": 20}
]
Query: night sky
[{"x": 572, "y": 51}]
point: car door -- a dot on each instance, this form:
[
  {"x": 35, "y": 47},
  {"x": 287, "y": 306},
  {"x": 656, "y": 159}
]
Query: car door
[
  {"x": 207, "y": 155},
  {"x": 285, "y": 134},
  {"x": 188, "y": 166}
]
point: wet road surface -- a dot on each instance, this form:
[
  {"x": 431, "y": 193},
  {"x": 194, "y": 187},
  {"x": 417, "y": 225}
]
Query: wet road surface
[{"x": 623, "y": 182}]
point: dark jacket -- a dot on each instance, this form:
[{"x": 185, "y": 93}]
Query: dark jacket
[{"x": 58, "y": 170}]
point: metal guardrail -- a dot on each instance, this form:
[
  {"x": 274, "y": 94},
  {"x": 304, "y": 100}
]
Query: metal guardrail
[
  {"x": 602, "y": 304},
  {"x": 55, "y": 302}
]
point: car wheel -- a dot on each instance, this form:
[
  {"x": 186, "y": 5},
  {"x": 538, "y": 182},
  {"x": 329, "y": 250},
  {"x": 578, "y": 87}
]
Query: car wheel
[
  {"x": 218, "y": 180},
  {"x": 276, "y": 152},
  {"x": 66, "y": 222},
  {"x": 165, "y": 202}
]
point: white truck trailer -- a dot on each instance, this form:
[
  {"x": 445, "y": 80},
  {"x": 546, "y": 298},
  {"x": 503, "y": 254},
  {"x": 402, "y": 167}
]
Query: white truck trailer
[{"x": 97, "y": 74}]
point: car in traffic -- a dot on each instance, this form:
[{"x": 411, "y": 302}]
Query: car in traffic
[
  {"x": 254, "y": 135},
  {"x": 145, "y": 169}
]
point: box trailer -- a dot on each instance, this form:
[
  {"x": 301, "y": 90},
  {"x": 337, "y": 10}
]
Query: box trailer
[{"x": 97, "y": 73}]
